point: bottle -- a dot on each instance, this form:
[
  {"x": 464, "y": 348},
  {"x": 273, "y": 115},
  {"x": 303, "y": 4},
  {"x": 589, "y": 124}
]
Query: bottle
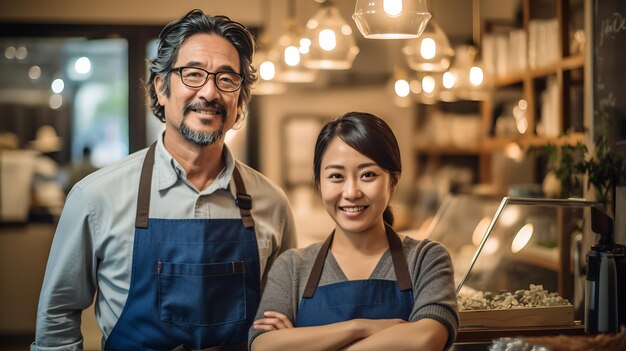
[{"x": 601, "y": 294}]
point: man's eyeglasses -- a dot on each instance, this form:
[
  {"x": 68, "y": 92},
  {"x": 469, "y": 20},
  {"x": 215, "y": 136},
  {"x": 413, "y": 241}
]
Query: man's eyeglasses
[{"x": 195, "y": 77}]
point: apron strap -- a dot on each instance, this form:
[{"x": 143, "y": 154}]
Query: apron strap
[
  {"x": 243, "y": 201},
  {"x": 235, "y": 347},
  {"x": 316, "y": 271},
  {"x": 398, "y": 258},
  {"x": 400, "y": 265},
  {"x": 145, "y": 182}
]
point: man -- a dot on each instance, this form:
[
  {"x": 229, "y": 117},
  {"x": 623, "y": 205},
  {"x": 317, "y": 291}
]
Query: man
[{"x": 175, "y": 239}]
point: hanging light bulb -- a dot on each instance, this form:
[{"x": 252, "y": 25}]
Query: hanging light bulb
[
  {"x": 471, "y": 82},
  {"x": 264, "y": 60},
  {"x": 399, "y": 85},
  {"x": 332, "y": 45},
  {"x": 391, "y": 19},
  {"x": 428, "y": 85},
  {"x": 432, "y": 88},
  {"x": 431, "y": 52},
  {"x": 402, "y": 88},
  {"x": 266, "y": 70},
  {"x": 291, "y": 56}
]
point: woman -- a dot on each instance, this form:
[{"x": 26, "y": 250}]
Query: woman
[{"x": 365, "y": 288}]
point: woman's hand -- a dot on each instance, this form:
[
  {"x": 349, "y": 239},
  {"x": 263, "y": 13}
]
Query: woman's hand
[{"x": 272, "y": 321}]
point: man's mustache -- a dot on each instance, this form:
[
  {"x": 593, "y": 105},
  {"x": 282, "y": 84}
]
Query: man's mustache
[{"x": 201, "y": 105}]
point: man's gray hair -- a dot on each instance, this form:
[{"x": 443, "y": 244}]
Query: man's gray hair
[{"x": 174, "y": 35}]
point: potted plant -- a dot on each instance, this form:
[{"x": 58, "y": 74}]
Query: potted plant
[{"x": 572, "y": 164}]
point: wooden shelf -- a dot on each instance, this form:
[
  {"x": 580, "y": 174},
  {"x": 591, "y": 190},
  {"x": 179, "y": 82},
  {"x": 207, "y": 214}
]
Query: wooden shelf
[
  {"x": 566, "y": 64},
  {"x": 449, "y": 150},
  {"x": 489, "y": 145},
  {"x": 554, "y": 82}
]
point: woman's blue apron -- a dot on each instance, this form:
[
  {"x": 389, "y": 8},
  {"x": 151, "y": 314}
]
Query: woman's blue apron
[
  {"x": 371, "y": 298},
  {"x": 195, "y": 283}
]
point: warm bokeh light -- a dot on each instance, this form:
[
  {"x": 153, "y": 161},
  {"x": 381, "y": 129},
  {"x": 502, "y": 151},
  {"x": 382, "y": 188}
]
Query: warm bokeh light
[
  {"x": 416, "y": 86},
  {"x": 291, "y": 56},
  {"x": 428, "y": 84},
  {"x": 346, "y": 30},
  {"x": 476, "y": 75},
  {"x": 305, "y": 46},
  {"x": 402, "y": 88},
  {"x": 449, "y": 80},
  {"x": 491, "y": 246},
  {"x": 267, "y": 70},
  {"x": 523, "y": 104},
  {"x": 514, "y": 152},
  {"x": 522, "y": 237},
  {"x": 428, "y": 48},
  {"x": 392, "y": 7},
  {"x": 522, "y": 125},
  {"x": 328, "y": 40},
  {"x": 509, "y": 216},
  {"x": 480, "y": 230}
]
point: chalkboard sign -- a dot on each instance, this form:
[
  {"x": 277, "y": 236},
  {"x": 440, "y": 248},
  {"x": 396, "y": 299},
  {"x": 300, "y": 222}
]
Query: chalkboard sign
[{"x": 609, "y": 72}]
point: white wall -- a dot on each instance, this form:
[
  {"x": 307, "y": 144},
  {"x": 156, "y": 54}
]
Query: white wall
[{"x": 331, "y": 103}]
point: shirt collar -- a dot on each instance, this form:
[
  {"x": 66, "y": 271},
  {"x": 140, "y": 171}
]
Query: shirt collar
[{"x": 168, "y": 172}]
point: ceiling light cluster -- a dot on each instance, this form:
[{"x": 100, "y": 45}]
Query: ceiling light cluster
[{"x": 327, "y": 43}]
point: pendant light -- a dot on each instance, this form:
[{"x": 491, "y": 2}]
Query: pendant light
[
  {"x": 264, "y": 60},
  {"x": 266, "y": 71},
  {"x": 292, "y": 52},
  {"x": 404, "y": 86},
  {"x": 431, "y": 52},
  {"x": 332, "y": 45},
  {"x": 391, "y": 19},
  {"x": 470, "y": 79}
]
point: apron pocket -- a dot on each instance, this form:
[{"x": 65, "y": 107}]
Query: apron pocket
[{"x": 202, "y": 294}]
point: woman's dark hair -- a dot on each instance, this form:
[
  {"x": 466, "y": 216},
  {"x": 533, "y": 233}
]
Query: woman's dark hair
[
  {"x": 367, "y": 134},
  {"x": 174, "y": 35}
]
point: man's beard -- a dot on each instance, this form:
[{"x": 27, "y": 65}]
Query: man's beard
[{"x": 202, "y": 138}]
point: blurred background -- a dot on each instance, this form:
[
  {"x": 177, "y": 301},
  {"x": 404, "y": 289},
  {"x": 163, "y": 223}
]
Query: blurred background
[{"x": 72, "y": 101}]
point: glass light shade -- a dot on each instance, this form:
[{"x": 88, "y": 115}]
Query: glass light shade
[
  {"x": 391, "y": 19},
  {"x": 266, "y": 83},
  {"x": 432, "y": 88},
  {"x": 399, "y": 86},
  {"x": 471, "y": 80},
  {"x": 431, "y": 52},
  {"x": 289, "y": 56},
  {"x": 332, "y": 45}
]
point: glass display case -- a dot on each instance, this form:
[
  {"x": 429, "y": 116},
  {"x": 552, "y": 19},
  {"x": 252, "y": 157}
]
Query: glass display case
[{"x": 517, "y": 245}]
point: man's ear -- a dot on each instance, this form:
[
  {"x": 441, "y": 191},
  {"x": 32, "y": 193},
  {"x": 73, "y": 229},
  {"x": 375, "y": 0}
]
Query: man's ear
[
  {"x": 240, "y": 117},
  {"x": 158, "y": 87}
]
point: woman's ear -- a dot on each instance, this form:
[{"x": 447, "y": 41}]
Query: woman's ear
[{"x": 395, "y": 179}]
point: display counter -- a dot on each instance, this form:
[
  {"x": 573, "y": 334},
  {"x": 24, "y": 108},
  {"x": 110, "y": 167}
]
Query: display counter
[{"x": 518, "y": 264}]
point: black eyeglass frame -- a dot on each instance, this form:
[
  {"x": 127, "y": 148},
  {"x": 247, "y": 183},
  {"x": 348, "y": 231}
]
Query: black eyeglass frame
[{"x": 180, "y": 69}]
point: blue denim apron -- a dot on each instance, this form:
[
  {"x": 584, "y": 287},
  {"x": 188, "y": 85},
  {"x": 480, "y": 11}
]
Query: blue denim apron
[
  {"x": 195, "y": 283},
  {"x": 371, "y": 298}
]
